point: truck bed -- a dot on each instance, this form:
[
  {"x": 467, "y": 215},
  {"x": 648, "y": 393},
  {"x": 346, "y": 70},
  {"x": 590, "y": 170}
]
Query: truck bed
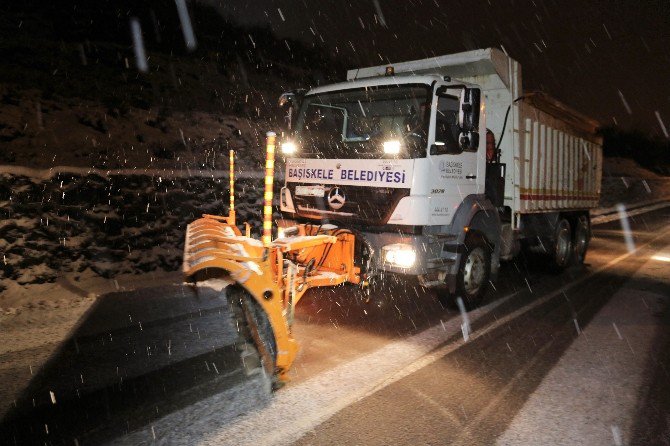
[{"x": 558, "y": 158}]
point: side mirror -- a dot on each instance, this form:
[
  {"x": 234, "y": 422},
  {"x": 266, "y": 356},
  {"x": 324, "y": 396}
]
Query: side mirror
[
  {"x": 468, "y": 115},
  {"x": 290, "y": 101},
  {"x": 286, "y": 99}
]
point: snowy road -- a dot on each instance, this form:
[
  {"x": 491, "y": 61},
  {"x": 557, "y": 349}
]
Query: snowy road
[
  {"x": 134, "y": 356},
  {"x": 580, "y": 359},
  {"x": 568, "y": 359}
]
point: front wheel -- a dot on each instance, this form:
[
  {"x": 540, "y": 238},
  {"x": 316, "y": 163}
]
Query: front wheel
[{"x": 474, "y": 271}]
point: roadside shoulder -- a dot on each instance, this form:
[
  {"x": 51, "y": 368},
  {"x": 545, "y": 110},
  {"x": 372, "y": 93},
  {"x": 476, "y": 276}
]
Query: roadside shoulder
[{"x": 591, "y": 396}]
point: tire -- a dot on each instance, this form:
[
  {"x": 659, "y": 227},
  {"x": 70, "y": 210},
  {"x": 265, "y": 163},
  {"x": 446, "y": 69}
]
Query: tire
[
  {"x": 254, "y": 328},
  {"x": 474, "y": 271},
  {"x": 582, "y": 238},
  {"x": 562, "y": 250}
]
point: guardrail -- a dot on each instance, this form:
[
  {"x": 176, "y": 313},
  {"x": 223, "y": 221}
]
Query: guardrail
[
  {"x": 605, "y": 215},
  {"x": 46, "y": 174}
]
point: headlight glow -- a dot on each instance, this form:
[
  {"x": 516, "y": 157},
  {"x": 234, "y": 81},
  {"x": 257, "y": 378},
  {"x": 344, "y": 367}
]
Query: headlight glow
[
  {"x": 284, "y": 231},
  {"x": 400, "y": 255},
  {"x": 392, "y": 147},
  {"x": 288, "y": 148}
]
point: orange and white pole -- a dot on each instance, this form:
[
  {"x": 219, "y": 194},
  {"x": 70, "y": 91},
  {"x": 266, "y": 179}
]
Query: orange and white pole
[
  {"x": 231, "y": 211},
  {"x": 269, "y": 184}
]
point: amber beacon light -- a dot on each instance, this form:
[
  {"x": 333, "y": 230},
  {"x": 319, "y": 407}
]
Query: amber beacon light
[{"x": 269, "y": 183}]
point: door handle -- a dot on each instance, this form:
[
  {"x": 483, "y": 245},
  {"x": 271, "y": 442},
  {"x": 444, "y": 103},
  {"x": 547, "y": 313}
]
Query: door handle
[{"x": 471, "y": 177}]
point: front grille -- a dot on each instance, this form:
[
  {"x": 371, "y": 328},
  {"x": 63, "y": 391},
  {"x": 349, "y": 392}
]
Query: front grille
[{"x": 362, "y": 204}]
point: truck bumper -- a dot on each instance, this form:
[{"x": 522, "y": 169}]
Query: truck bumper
[{"x": 433, "y": 263}]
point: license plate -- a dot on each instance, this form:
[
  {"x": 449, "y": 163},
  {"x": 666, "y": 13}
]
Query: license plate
[{"x": 310, "y": 191}]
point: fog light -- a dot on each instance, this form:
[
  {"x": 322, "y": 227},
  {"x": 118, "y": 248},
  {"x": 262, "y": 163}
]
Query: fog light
[
  {"x": 400, "y": 255},
  {"x": 392, "y": 147},
  {"x": 286, "y": 228},
  {"x": 288, "y": 148}
]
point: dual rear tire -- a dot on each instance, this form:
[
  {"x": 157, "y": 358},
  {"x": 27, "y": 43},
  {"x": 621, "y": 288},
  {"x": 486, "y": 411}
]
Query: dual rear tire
[
  {"x": 570, "y": 243},
  {"x": 582, "y": 238}
]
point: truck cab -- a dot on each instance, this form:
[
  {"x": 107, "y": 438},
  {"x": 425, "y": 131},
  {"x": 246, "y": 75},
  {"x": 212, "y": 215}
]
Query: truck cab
[{"x": 394, "y": 158}]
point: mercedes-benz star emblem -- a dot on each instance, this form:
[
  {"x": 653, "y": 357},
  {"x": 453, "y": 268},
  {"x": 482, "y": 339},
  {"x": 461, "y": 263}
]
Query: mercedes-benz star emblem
[{"x": 336, "y": 198}]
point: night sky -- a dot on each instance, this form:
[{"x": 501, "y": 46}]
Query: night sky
[{"x": 608, "y": 59}]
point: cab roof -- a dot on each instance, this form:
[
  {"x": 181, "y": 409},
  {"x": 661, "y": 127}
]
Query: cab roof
[{"x": 382, "y": 80}]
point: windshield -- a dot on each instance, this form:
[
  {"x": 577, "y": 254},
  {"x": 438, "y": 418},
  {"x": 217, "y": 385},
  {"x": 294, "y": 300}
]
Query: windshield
[{"x": 356, "y": 123}]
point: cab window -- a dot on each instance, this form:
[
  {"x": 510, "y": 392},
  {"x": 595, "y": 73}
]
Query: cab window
[{"x": 446, "y": 123}]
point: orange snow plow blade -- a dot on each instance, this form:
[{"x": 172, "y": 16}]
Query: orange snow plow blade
[
  {"x": 269, "y": 277},
  {"x": 276, "y": 276}
]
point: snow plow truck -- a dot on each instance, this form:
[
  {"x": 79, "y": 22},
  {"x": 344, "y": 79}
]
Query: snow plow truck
[{"x": 436, "y": 169}]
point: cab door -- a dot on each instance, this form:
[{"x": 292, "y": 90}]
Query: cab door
[{"x": 455, "y": 172}]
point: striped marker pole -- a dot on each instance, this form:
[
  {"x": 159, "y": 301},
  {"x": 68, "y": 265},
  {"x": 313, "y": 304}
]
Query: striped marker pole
[
  {"x": 269, "y": 183},
  {"x": 231, "y": 211}
]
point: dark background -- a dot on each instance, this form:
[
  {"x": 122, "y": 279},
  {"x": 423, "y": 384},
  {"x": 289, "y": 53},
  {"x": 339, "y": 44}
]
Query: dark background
[
  {"x": 609, "y": 60},
  {"x": 583, "y": 52},
  {"x": 593, "y": 55}
]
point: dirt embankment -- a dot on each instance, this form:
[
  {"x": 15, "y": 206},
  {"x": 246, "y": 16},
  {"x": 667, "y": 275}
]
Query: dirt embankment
[
  {"x": 43, "y": 133},
  {"x": 74, "y": 226},
  {"x": 624, "y": 181}
]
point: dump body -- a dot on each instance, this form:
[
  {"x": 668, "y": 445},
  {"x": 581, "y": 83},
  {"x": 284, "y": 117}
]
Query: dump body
[{"x": 557, "y": 159}]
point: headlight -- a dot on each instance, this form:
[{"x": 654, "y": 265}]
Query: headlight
[
  {"x": 286, "y": 228},
  {"x": 400, "y": 255},
  {"x": 288, "y": 148},
  {"x": 392, "y": 147}
]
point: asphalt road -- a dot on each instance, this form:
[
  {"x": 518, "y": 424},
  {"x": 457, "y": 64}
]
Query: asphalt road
[
  {"x": 137, "y": 357},
  {"x": 473, "y": 394}
]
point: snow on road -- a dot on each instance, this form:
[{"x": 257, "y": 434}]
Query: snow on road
[
  {"x": 299, "y": 409},
  {"x": 590, "y": 397}
]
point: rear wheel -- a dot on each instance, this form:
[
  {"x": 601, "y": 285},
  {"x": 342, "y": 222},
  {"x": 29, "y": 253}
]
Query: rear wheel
[
  {"x": 582, "y": 237},
  {"x": 474, "y": 271},
  {"x": 562, "y": 251}
]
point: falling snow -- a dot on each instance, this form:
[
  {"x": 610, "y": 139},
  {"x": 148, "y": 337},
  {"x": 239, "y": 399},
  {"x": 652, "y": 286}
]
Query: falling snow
[{"x": 116, "y": 123}]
